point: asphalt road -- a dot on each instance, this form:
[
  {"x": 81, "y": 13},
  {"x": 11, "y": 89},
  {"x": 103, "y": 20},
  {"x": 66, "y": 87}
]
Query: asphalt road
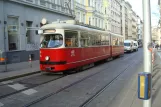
[{"x": 105, "y": 85}]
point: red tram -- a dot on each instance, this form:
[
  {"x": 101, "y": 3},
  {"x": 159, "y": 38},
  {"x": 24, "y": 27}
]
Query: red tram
[{"x": 67, "y": 46}]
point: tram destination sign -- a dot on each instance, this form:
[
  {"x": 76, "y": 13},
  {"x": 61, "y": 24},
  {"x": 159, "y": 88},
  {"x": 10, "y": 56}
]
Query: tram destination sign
[
  {"x": 49, "y": 31},
  {"x": 46, "y": 31}
]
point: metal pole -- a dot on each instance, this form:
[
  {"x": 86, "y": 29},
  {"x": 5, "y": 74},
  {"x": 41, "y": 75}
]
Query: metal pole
[
  {"x": 5, "y": 56},
  {"x": 147, "y": 40}
]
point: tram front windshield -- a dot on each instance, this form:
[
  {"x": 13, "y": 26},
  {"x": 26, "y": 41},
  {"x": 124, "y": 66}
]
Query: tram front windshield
[{"x": 52, "y": 41}]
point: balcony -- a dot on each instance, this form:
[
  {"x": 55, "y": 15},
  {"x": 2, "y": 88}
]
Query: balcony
[
  {"x": 134, "y": 24},
  {"x": 134, "y": 30},
  {"x": 46, "y": 5}
]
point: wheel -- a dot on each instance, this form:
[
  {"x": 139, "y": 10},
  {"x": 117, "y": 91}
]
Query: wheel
[
  {"x": 65, "y": 72},
  {"x": 79, "y": 69},
  {"x": 131, "y": 51},
  {"x": 122, "y": 55}
]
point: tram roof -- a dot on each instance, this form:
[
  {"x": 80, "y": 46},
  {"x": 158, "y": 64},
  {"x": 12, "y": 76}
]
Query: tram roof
[{"x": 74, "y": 27}]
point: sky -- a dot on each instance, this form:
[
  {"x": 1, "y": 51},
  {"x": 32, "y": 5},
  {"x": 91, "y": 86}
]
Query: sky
[{"x": 137, "y": 7}]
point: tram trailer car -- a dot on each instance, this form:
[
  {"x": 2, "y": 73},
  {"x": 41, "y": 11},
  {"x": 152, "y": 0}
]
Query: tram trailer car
[{"x": 68, "y": 46}]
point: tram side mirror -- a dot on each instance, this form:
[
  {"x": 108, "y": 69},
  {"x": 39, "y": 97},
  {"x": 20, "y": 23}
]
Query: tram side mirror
[{"x": 40, "y": 32}]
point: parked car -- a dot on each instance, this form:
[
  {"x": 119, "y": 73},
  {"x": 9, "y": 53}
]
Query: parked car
[
  {"x": 135, "y": 45},
  {"x": 128, "y": 45}
]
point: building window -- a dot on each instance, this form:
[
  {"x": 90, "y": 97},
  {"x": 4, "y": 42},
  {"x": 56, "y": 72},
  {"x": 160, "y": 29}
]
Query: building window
[
  {"x": 106, "y": 26},
  {"x": 53, "y": 5},
  {"x": 84, "y": 18},
  {"x": 43, "y": 2},
  {"x": 93, "y": 21},
  {"x": 96, "y": 22},
  {"x": 13, "y": 33},
  {"x": 89, "y": 21},
  {"x": 89, "y": 2},
  {"x": 62, "y": 3},
  {"x": 29, "y": 33},
  {"x": 105, "y": 10},
  {"x": 82, "y": 2},
  {"x": 30, "y": 1},
  {"x": 78, "y": 16}
]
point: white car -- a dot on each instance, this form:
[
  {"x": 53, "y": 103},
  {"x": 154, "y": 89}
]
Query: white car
[
  {"x": 128, "y": 46},
  {"x": 136, "y": 45}
]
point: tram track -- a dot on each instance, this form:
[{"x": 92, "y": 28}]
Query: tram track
[
  {"x": 89, "y": 100},
  {"x": 55, "y": 77},
  {"x": 33, "y": 86},
  {"x": 76, "y": 82}
]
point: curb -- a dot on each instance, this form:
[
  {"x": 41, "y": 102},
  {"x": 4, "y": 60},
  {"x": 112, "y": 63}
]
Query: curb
[{"x": 18, "y": 76}]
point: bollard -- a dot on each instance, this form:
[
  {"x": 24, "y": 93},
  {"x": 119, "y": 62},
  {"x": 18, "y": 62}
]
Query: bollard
[{"x": 30, "y": 61}]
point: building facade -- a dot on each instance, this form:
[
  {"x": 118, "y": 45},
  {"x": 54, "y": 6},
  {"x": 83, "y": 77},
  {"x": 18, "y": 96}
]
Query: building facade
[
  {"x": 134, "y": 26},
  {"x": 91, "y": 12},
  {"x": 159, "y": 3},
  {"x": 17, "y": 40},
  {"x": 156, "y": 35},
  {"x": 115, "y": 16},
  {"x": 126, "y": 19},
  {"x": 80, "y": 10},
  {"x": 139, "y": 28}
]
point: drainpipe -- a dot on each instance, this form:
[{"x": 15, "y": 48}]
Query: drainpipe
[{"x": 5, "y": 55}]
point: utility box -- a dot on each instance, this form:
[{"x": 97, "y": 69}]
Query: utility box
[{"x": 144, "y": 85}]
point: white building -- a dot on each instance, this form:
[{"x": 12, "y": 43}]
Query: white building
[
  {"x": 139, "y": 28},
  {"x": 18, "y": 15},
  {"x": 115, "y": 16},
  {"x": 134, "y": 26},
  {"x": 126, "y": 11},
  {"x": 80, "y": 10},
  {"x": 156, "y": 35},
  {"x": 90, "y": 12}
]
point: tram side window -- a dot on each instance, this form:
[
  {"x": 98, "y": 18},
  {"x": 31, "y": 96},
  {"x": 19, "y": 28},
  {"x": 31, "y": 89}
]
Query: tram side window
[
  {"x": 121, "y": 41},
  {"x": 107, "y": 40},
  {"x": 98, "y": 39},
  {"x": 71, "y": 38},
  {"x": 103, "y": 40},
  {"x": 84, "y": 39},
  {"x": 91, "y": 39},
  {"x": 115, "y": 41}
]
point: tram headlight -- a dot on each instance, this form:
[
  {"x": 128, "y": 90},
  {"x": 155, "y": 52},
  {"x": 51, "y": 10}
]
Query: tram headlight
[{"x": 47, "y": 58}]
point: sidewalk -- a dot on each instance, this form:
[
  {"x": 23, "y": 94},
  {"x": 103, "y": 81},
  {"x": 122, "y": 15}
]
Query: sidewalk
[
  {"x": 156, "y": 85},
  {"x": 18, "y": 69},
  {"x": 128, "y": 96}
]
